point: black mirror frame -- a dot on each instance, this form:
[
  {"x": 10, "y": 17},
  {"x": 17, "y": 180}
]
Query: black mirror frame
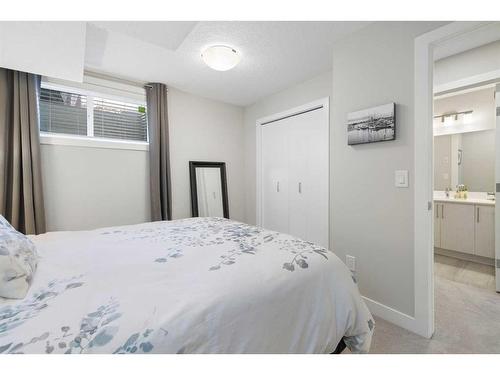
[{"x": 194, "y": 193}]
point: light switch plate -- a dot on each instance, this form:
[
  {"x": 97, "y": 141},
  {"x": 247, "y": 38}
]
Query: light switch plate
[{"x": 401, "y": 179}]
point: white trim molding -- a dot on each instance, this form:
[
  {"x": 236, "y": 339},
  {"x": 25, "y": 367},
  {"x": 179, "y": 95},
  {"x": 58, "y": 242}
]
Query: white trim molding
[
  {"x": 93, "y": 142},
  {"x": 423, "y": 133},
  {"x": 391, "y": 315}
]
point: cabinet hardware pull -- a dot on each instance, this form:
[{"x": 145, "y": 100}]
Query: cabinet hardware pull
[
  {"x": 300, "y": 187},
  {"x": 477, "y": 216},
  {"x": 278, "y": 187},
  {"x": 442, "y": 211}
]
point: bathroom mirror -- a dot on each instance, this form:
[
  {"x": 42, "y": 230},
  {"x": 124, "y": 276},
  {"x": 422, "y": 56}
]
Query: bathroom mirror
[
  {"x": 464, "y": 139},
  {"x": 467, "y": 158},
  {"x": 208, "y": 189}
]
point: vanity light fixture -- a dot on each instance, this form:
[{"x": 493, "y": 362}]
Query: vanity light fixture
[
  {"x": 221, "y": 57},
  {"x": 449, "y": 117}
]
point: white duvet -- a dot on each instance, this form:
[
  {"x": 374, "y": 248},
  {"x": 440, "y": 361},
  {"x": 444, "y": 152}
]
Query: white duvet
[{"x": 201, "y": 285}]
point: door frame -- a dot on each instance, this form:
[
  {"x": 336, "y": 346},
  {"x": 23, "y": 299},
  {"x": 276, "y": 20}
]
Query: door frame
[
  {"x": 423, "y": 322},
  {"x": 316, "y": 104}
]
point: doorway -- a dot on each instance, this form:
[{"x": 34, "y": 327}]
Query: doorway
[
  {"x": 464, "y": 178},
  {"x": 455, "y": 37}
]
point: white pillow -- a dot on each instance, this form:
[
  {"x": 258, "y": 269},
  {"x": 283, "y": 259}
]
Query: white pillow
[{"x": 18, "y": 260}]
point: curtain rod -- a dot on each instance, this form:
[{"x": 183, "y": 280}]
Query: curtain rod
[{"x": 117, "y": 79}]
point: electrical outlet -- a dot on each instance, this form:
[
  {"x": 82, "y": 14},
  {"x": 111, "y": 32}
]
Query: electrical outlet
[{"x": 350, "y": 262}]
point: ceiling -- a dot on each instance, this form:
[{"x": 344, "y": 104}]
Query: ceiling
[
  {"x": 482, "y": 35},
  {"x": 275, "y": 55}
]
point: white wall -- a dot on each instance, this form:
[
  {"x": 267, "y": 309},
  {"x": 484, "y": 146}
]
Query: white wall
[
  {"x": 371, "y": 219},
  {"x": 482, "y": 104},
  {"x": 477, "y": 61},
  {"x": 205, "y": 130},
  {"x": 87, "y": 188},
  {"x": 308, "y": 91},
  {"x": 55, "y": 49}
]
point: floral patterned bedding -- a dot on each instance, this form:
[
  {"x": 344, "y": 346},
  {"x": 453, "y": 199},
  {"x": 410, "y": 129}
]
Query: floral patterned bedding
[{"x": 200, "y": 285}]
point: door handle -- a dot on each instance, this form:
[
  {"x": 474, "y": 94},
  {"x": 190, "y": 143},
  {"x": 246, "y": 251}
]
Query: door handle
[
  {"x": 300, "y": 187},
  {"x": 278, "y": 187},
  {"x": 437, "y": 211},
  {"x": 477, "y": 216},
  {"x": 442, "y": 211}
]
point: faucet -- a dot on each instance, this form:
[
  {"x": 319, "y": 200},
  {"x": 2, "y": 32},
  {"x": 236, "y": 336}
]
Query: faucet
[{"x": 447, "y": 192}]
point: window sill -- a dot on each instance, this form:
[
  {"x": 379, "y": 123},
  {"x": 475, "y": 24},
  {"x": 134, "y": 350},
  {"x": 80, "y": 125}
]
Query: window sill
[{"x": 68, "y": 140}]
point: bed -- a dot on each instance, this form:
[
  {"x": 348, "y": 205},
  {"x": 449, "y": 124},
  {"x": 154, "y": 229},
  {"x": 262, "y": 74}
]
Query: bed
[{"x": 200, "y": 285}]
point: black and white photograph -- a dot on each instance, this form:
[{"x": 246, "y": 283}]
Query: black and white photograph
[{"x": 375, "y": 124}]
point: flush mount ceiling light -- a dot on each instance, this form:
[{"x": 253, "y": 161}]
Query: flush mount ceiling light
[{"x": 220, "y": 57}]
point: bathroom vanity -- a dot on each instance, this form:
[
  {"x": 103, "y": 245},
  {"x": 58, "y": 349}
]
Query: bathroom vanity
[{"x": 466, "y": 226}]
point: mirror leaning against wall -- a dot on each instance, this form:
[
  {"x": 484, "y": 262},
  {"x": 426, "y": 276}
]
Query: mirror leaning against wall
[{"x": 208, "y": 189}]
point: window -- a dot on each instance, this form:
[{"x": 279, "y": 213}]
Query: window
[
  {"x": 63, "y": 112},
  {"x": 84, "y": 113},
  {"x": 114, "y": 119}
]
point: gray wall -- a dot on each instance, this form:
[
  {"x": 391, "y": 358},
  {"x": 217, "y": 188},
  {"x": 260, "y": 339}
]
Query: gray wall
[
  {"x": 87, "y": 188},
  {"x": 308, "y": 91},
  {"x": 370, "y": 218}
]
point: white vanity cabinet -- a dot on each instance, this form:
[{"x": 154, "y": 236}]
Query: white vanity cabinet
[
  {"x": 457, "y": 227},
  {"x": 465, "y": 227},
  {"x": 485, "y": 231}
]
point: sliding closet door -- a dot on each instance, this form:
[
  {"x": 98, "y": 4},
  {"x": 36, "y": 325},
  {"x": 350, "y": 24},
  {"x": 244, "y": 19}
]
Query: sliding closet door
[
  {"x": 275, "y": 176},
  {"x": 308, "y": 169}
]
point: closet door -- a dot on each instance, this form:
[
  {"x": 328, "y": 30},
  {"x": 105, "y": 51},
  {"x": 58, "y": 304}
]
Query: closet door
[
  {"x": 298, "y": 180},
  {"x": 275, "y": 176},
  {"x": 308, "y": 188}
]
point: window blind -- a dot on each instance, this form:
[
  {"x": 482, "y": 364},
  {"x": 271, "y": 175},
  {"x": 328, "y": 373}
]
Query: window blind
[
  {"x": 116, "y": 119},
  {"x": 63, "y": 112}
]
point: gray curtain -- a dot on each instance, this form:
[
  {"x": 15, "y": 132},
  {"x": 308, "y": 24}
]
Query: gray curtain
[
  {"x": 21, "y": 197},
  {"x": 159, "y": 160}
]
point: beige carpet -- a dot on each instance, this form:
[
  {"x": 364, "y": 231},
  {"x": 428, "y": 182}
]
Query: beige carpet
[{"x": 467, "y": 321}]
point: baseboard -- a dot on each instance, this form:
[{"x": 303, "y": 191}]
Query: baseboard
[
  {"x": 464, "y": 256},
  {"x": 391, "y": 315}
]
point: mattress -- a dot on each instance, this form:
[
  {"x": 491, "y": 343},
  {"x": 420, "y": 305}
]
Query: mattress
[{"x": 200, "y": 285}]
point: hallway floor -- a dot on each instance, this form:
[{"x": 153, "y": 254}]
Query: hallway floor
[{"x": 467, "y": 314}]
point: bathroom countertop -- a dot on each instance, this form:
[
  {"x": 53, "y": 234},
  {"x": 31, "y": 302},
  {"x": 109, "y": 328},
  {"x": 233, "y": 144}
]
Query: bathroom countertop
[{"x": 472, "y": 200}]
